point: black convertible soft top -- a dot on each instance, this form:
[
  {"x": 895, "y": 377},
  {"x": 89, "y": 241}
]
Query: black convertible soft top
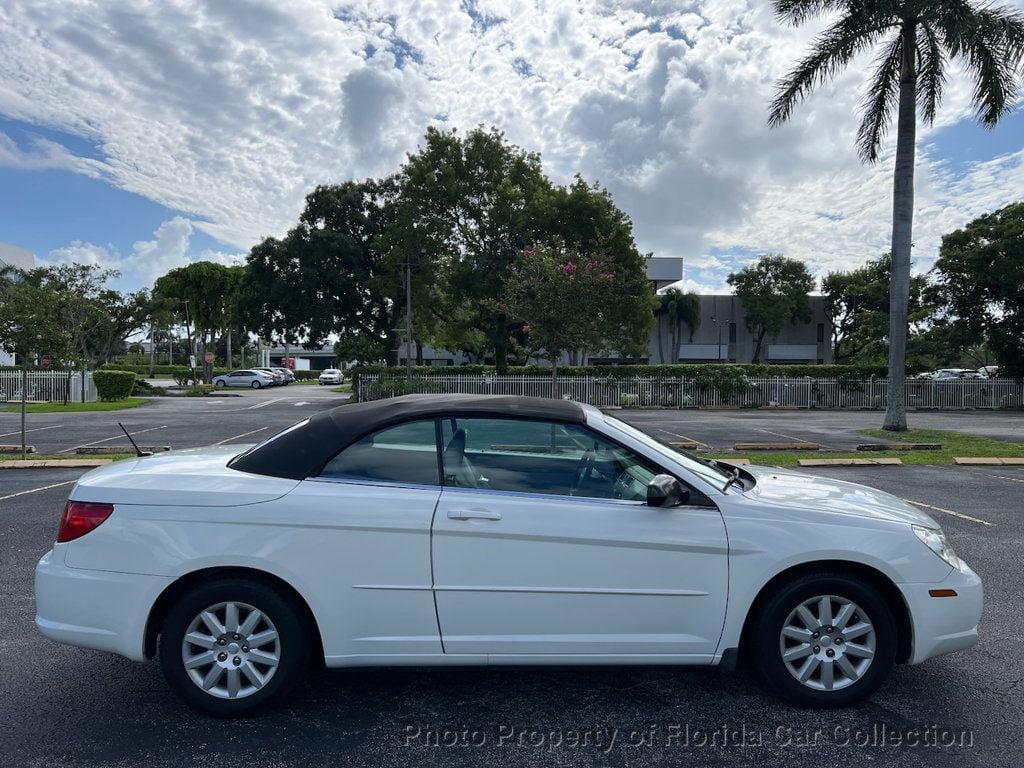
[{"x": 303, "y": 451}]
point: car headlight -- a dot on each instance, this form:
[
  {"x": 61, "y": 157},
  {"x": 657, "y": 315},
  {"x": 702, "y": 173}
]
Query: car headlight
[{"x": 936, "y": 541}]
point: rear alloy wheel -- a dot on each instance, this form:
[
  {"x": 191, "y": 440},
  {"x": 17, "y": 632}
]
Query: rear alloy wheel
[
  {"x": 233, "y": 647},
  {"x": 256, "y": 385},
  {"x": 825, "y": 641}
]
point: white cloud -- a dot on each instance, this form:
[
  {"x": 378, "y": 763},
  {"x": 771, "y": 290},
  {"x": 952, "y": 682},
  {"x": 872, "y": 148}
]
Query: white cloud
[
  {"x": 231, "y": 113},
  {"x": 149, "y": 259}
]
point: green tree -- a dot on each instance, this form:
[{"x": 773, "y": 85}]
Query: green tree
[
  {"x": 340, "y": 271},
  {"x": 773, "y": 292},
  {"x": 98, "y": 318},
  {"x": 31, "y": 325},
  {"x": 915, "y": 40},
  {"x": 477, "y": 201},
  {"x": 678, "y": 309},
  {"x": 980, "y": 274},
  {"x": 204, "y": 295},
  {"x": 857, "y": 306},
  {"x": 566, "y": 300}
]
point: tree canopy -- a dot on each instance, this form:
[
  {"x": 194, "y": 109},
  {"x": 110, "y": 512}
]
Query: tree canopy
[
  {"x": 774, "y": 291},
  {"x": 980, "y": 275}
]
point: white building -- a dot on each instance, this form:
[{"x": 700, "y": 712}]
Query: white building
[{"x": 19, "y": 258}]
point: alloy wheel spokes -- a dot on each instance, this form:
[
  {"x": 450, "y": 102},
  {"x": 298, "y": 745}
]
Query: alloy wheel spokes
[
  {"x": 816, "y": 642},
  {"x": 231, "y": 650}
]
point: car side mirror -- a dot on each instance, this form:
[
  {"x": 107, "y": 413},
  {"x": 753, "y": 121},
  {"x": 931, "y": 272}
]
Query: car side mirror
[{"x": 666, "y": 491}]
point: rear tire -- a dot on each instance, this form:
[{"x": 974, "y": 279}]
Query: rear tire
[
  {"x": 251, "y": 647},
  {"x": 836, "y": 653}
]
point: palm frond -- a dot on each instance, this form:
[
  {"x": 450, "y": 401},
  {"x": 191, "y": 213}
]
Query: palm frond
[
  {"x": 882, "y": 97},
  {"x": 991, "y": 42},
  {"x": 796, "y": 12},
  {"x": 931, "y": 67},
  {"x": 834, "y": 49}
]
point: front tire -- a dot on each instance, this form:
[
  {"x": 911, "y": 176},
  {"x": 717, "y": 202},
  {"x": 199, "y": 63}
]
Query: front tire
[
  {"x": 256, "y": 385},
  {"x": 232, "y": 647},
  {"x": 219, "y": 385},
  {"x": 824, "y": 640}
]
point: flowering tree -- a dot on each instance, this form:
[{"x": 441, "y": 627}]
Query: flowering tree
[{"x": 567, "y": 300}]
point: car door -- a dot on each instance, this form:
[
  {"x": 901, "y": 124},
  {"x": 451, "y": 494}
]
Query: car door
[
  {"x": 238, "y": 379},
  {"x": 533, "y": 555}
]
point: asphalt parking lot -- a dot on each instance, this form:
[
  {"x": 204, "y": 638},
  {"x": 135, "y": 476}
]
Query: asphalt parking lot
[{"x": 63, "y": 706}]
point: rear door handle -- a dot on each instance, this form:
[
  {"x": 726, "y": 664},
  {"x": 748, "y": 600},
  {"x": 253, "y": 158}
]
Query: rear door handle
[{"x": 473, "y": 514}]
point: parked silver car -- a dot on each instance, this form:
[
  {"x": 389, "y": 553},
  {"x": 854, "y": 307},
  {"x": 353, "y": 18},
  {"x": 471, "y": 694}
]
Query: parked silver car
[
  {"x": 245, "y": 378},
  {"x": 275, "y": 374},
  {"x": 331, "y": 376}
]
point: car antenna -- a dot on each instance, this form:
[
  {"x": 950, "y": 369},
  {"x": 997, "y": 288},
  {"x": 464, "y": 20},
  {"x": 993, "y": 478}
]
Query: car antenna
[{"x": 138, "y": 451}]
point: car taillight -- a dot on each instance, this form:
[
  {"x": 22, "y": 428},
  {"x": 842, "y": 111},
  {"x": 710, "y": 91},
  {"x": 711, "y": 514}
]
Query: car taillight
[{"x": 80, "y": 517}]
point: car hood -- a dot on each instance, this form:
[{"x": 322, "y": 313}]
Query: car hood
[
  {"x": 197, "y": 477},
  {"x": 793, "y": 489}
]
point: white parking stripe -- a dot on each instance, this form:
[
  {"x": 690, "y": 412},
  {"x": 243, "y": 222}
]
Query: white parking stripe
[
  {"x": 34, "y": 429},
  {"x": 244, "y": 434},
  {"x": 34, "y": 490},
  {"x": 264, "y": 404},
  {"x": 1001, "y": 477},
  {"x": 108, "y": 439},
  {"x": 961, "y": 515},
  {"x": 788, "y": 437},
  {"x": 684, "y": 437}
]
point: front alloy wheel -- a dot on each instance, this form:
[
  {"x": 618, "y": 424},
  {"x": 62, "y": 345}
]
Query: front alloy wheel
[
  {"x": 823, "y": 640},
  {"x": 232, "y": 646},
  {"x": 827, "y": 643}
]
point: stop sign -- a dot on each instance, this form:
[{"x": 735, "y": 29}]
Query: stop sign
[{"x": 208, "y": 357}]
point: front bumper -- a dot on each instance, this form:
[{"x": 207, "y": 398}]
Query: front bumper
[
  {"x": 103, "y": 610},
  {"x": 944, "y": 624}
]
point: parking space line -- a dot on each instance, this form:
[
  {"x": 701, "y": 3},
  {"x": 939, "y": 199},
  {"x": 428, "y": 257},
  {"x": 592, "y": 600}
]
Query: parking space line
[
  {"x": 34, "y": 429},
  {"x": 961, "y": 515},
  {"x": 108, "y": 439},
  {"x": 1001, "y": 477},
  {"x": 788, "y": 437},
  {"x": 244, "y": 434},
  {"x": 35, "y": 490},
  {"x": 684, "y": 437},
  {"x": 264, "y": 404}
]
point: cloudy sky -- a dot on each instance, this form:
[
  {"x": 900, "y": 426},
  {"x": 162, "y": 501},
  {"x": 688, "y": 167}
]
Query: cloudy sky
[{"x": 144, "y": 135}]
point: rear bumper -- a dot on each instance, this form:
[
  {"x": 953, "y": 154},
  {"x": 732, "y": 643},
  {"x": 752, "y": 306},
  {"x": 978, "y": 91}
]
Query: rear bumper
[
  {"x": 944, "y": 624},
  {"x": 103, "y": 610}
]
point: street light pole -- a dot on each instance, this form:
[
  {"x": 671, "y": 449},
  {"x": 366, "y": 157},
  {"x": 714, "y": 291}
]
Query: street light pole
[{"x": 408, "y": 321}]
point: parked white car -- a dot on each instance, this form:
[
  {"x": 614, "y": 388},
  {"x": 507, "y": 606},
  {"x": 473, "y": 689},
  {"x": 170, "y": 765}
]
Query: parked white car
[
  {"x": 475, "y": 530},
  {"x": 252, "y": 378},
  {"x": 331, "y": 376}
]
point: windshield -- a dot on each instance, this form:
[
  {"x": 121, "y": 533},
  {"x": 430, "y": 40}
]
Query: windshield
[{"x": 706, "y": 469}]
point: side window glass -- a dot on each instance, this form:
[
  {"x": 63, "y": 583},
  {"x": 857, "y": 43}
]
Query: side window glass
[
  {"x": 540, "y": 457},
  {"x": 405, "y": 453}
]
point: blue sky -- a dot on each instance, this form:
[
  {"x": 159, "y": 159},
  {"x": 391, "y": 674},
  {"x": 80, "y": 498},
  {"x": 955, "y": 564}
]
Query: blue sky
[{"x": 126, "y": 143}]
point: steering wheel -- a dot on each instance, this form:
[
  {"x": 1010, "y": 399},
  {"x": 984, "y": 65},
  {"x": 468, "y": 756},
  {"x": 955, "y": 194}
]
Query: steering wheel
[{"x": 584, "y": 469}]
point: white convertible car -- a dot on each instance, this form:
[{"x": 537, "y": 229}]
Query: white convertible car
[{"x": 462, "y": 530}]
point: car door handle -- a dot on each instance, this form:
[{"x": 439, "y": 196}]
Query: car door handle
[{"x": 473, "y": 514}]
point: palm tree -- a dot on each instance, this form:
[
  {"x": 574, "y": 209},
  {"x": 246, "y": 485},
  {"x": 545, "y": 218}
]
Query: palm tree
[
  {"x": 679, "y": 309},
  {"x": 915, "y": 39}
]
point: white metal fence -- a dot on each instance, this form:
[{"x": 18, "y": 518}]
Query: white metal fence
[
  {"x": 48, "y": 386},
  {"x": 682, "y": 392}
]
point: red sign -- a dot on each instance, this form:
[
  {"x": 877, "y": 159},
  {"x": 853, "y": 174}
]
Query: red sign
[{"x": 208, "y": 357}]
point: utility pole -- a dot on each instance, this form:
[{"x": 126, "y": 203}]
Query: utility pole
[
  {"x": 191, "y": 347},
  {"x": 408, "y": 320}
]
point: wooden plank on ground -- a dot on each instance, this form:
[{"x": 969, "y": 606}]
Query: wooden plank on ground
[
  {"x": 777, "y": 447},
  {"x": 885, "y": 462}
]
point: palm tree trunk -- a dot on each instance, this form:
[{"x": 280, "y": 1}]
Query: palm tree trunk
[
  {"x": 24, "y": 398},
  {"x": 902, "y": 234}
]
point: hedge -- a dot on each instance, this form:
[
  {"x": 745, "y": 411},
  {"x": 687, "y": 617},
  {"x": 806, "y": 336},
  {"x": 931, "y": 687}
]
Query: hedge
[
  {"x": 159, "y": 370},
  {"x": 114, "y": 385},
  {"x": 721, "y": 377}
]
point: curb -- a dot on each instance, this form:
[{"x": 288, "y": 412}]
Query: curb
[
  {"x": 777, "y": 447},
  {"x": 989, "y": 462},
  {"x": 54, "y": 463},
  {"x": 850, "y": 462}
]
